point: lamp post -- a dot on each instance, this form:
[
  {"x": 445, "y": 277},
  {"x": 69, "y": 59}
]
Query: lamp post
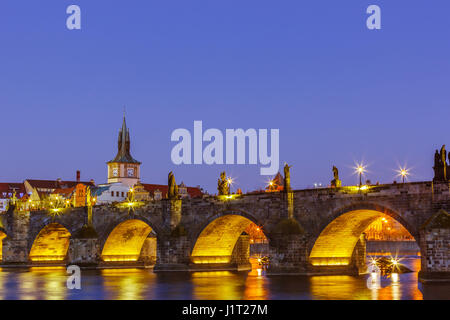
[
  {"x": 403, "y": 173},
  {"x": 230, "y": 181},
  {"x": 360, "y": 170}
]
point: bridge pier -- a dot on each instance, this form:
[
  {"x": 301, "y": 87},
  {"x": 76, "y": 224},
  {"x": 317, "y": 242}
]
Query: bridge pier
[
  {"x": 435, "y": 249},
  {"x": 84, "y": 248},
  {"x": 173, "y": 253},
  {"x": 84, "y": 252},
  {"x": 359, "y": 256},
  {"x": 288, "y": 254},
  {"x": 15, "y": 245},
  {"x": 241, "y": 254},
  {"x": 148, "y": 252}
]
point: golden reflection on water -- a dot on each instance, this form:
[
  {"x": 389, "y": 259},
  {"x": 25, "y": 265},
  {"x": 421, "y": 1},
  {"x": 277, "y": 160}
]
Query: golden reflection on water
[
  {"x": 217, "y": 285},
  {"x": 256, "y": 285},
  {"x": 228, "y": 285},
  {"x": 396, "y": 287},
  {"x": 42, "y": 283},
  {"x": 3, "y": 278},
  {"x": 50, "y": 283},
  {"x": 339, "y": 288},
  {"x": 124, "y": 284},
  {"x": 401, "y": 285}
]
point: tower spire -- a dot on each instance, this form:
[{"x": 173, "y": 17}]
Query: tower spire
[
  {"x": 123, "y": 152},
  {"x": 124, "y": 132}
]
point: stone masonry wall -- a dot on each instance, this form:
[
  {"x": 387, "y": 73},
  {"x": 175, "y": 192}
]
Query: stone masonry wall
[
  {"x": 148, "y": 251},
  {"x": 15, "y": 245},
  {"x": 84, "y": 252},
  {"x": 173, "y": 253},
  {"x": 288, "y": 254},
  {"x": 359, "y": 255},
  {"x": 435, "y": 247},
  {"x": 241, "y": 253}
]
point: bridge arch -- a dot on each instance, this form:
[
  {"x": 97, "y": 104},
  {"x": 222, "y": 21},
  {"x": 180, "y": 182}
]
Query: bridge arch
[
  {"x": 126, "y": 240},
  {"x": 215, "y": 240},
  {"x": 3, "y": 235},
  {"x": 340, "y": 233},
  {"x": 51, "y": 244}
]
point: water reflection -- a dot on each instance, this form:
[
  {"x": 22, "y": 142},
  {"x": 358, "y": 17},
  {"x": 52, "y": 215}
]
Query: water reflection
[
  {"x": 339, "y": 288},
  {"x": 124, "y": 284},
  {"x": 255, "y": 285},
  {"x": 50, "y": 283}
]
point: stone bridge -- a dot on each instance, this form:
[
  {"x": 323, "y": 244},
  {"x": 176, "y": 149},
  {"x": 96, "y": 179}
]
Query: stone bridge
[{"x": 314, "y": 231}]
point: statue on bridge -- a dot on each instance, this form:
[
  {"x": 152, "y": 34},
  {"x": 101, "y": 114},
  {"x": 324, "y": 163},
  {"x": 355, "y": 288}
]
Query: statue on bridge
[
  {"x": 222, "y": 184},
  {"x": 444, "y": 161},
  {"x": 287, "y": 178},
  {"x": 440, "y": 165},
  {"x": 336, "y": 183},
  {"x": 173, "y": 188}
]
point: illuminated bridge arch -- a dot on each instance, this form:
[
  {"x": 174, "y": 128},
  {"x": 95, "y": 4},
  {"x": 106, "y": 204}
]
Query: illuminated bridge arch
[
  {"x": 3, "y": 235},
  {"x": 51, "y": 244},
  {"x": 338, "y": 238},
  {"x": 126, "y": 240},
  {"x": 215, "y": 241}
]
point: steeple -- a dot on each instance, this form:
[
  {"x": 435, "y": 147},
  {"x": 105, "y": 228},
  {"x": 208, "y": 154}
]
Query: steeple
[{"x": 123, "y": 145}]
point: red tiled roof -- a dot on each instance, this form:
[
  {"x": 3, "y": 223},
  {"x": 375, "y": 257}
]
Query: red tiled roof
[
  {"x": 65, "y": 191},
  {"x": 55, "y": 184},
  {"x": 153, "y": 187},
  {"x": 10, "y": 187},
  {"x": 192, "y": 191}
]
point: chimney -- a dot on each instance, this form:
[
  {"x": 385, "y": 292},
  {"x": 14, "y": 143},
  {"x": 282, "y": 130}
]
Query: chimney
[{"x": 78, "y": 175}]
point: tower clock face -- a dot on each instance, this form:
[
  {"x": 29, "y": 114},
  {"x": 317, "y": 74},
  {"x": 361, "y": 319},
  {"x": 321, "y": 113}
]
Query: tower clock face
[
  {"x": 130, "y": 172},
  {"x": 115, "y": 172}
]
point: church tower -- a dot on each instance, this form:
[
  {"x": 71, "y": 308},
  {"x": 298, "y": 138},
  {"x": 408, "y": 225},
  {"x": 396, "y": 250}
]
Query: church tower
[{"x": 123, "y": 168}]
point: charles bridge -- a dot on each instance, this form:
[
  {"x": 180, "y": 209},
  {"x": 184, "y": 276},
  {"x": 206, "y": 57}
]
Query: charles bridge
[{"x": 313, "y": 231}]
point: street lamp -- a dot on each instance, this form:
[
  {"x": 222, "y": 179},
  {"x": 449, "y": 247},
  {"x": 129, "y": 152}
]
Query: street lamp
[
  {"x": 270, "y": 185},
  {"x": 230, "y": 181},
  {"x": 360, "y": 171},
  {"x": 403, "y": 173}
]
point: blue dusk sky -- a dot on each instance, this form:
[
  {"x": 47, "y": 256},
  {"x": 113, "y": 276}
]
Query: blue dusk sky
[{"x": 338, "y": 92}]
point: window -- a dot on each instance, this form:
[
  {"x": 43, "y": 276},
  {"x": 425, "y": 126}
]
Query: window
[
  {"x": 112, "y": 193},
  {"x": 122, "y": 193},
  {"x": 117, "y": 193},
  {"x": 130, "y": 172}
]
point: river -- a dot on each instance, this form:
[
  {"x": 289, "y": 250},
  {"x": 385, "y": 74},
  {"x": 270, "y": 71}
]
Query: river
[{"x": 50, "y": 283}]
